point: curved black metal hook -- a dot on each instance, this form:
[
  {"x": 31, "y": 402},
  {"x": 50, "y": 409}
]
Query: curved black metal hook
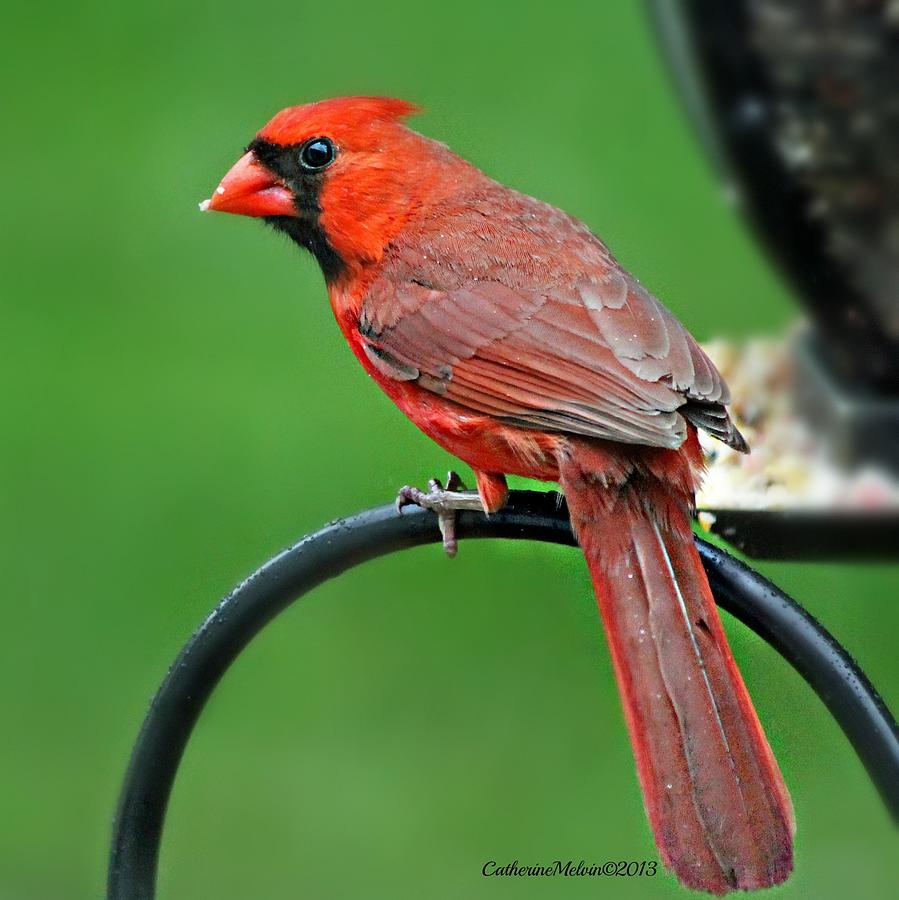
[{"x": 348, "y": 542}]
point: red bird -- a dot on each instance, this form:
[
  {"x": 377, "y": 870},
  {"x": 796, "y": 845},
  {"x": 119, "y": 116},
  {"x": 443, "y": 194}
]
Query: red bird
[{"x": 508, "y": 333}]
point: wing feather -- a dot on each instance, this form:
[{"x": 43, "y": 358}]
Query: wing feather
[{"x": 564, "y": 341}]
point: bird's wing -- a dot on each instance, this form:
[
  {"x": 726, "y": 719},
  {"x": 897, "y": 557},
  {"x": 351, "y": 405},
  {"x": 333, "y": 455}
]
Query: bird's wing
[{"x": 523, "y": 314}]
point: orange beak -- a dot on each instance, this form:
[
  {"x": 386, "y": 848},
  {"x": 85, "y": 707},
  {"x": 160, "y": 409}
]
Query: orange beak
[{"x": 249, "y": 189}]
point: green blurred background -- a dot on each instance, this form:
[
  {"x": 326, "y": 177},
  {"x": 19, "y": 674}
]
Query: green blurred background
[{"x": 178, "y": 405}]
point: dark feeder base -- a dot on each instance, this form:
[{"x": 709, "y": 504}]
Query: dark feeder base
[
  {"x": 809, "y": 535},
  {"x": 862, "y": 426}
]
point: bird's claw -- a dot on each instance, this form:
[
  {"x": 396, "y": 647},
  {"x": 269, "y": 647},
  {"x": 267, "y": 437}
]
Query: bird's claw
[{"x": 445, "y": 501}]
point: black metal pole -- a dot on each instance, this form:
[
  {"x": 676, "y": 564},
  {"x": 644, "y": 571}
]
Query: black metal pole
[{"x": 348, "y": 542}]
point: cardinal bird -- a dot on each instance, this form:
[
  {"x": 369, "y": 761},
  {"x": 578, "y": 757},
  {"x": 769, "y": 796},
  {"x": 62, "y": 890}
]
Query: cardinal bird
[{"x": 508, "y": 333}]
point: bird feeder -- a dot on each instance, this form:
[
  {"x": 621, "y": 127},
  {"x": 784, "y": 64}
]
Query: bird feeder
[{"x": 795, "y": 103}]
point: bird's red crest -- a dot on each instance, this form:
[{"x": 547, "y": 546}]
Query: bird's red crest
[{"x": 297, "y": 123}]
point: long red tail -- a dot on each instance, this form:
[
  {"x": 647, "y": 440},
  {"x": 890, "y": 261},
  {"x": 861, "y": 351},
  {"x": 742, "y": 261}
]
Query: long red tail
[{"x": 714, "y": 795}]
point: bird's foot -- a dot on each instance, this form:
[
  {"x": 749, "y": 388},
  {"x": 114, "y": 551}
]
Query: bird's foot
[{"x": 445, "y": 501}]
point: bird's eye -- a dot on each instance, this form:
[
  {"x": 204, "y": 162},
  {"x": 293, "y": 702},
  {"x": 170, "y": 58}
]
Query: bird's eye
[{"x": 317, "y": 153}]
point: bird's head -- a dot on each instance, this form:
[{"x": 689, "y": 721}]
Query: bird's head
[{"x": 341, "y": 177}]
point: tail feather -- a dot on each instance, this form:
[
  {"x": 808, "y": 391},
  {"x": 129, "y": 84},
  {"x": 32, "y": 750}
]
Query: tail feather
[{"x": 713, "y": 792}]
